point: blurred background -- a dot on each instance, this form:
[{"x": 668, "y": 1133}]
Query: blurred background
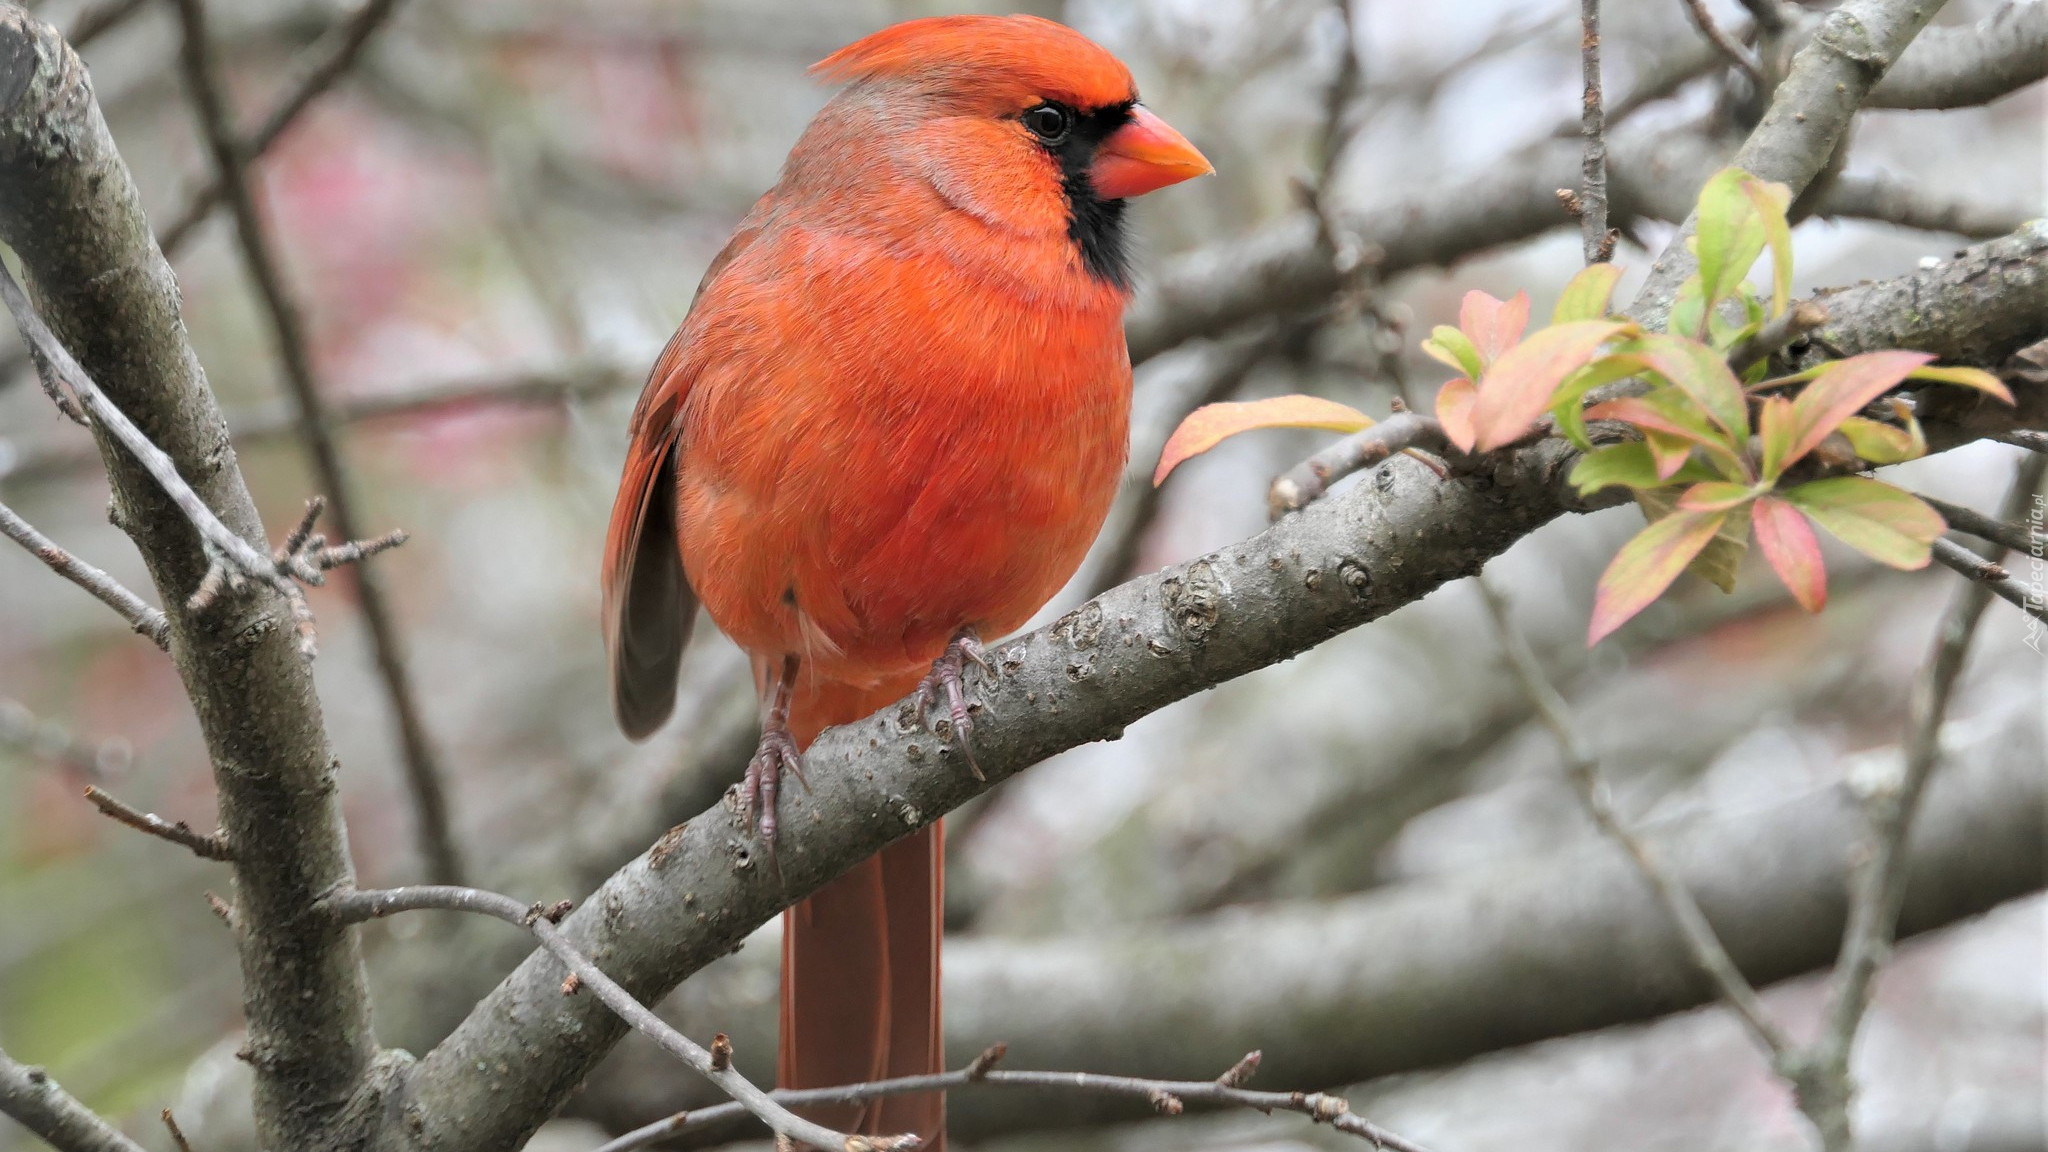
[{"x": 498, "y": 217}]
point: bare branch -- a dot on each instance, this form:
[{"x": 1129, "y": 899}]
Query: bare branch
[
  {"x": 1960, "y": 67},
  {"x": 72, "y": 216},
  {"x": 1165, "y": 1096},
  {"x": 351, "y": 906},
  {"x": 1725, "y": 44},
  {"x": 323, "y": 64},
  {"x": 572, "y": 382},
  {"x": 2024, "y": 438},
  {"x": 177, "y": 1133},
  {"x": 1595, "y": 238},
  {"x": 1809, "y": 113},
  {"x": 22, "y": 731},
  {"x": 101, "y": 19},
  {"x": 1908, "y": 203},
  {"x": 204, "y": 845},
  {"x": 144, "y": 619},
  {"x": 1306, "y": 482},
  {"x": 1992, "y": 578},
  {"x": 2022, "y": 536},
  {"x": 1878, "y": 885},
  {"x": 29, "y": 1096},
  {"x": 422, "y": 773},
  {"x": 1582, "y": 769}
]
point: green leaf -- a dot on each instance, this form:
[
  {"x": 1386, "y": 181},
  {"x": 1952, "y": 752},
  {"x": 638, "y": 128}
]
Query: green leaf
[
  {"x": 1731, "y": 234},
  {"x": 1522, "y": 382},
  {"x": 1880, "y": 443},
  {"x": 1774, "y": 436},
  {"x": 1689, "y": 309},
  {"x": 1454, "y": 411},
  {"x": 1211, "y": 424},
  {"x": 1616, "y": 466},
  {"x": 1646, "y": 566},
  {"x": 1493, "y": 325},
  {"x": 1884, "y": 523},
  {"x": 1788, "y": 546},
  {"x": 1454, "y": 348},
  {"x": 1699, "y": 372},
  {"x": 1566, "y": 406},
  {"x": 1840, "y": 390},
  {"x": 1715, "y": 496},
  {"x": 1976, "y": 378},
  {"x": 1587, "y": 295},
  {"x": 1720, "y": 562},
  {"x": 1771, "y": 201}
]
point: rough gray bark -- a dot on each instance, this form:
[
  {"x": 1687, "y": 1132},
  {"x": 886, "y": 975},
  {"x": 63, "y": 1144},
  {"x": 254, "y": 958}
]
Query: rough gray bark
[
  {"x": 1425, "y": 973},
  {"x": 69, "y": 211},
  {"x": 1961, "y": 67},
  {"x": 1808, "y": 118},
  {"x": 1338, "y": 564},
  {"x": 34, "y": 1100}
]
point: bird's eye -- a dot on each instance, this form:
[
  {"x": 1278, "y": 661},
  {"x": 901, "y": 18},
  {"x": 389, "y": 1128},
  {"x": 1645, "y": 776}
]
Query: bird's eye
[{"x": 1049, "y": 122}]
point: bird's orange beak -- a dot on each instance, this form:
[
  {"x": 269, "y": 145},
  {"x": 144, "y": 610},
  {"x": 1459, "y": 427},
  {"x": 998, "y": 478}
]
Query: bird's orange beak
[{"x": 1143, "y": 156}]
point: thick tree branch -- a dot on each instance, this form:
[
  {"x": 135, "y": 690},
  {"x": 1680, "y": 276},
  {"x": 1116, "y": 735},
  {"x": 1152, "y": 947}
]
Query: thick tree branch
[
  {"x": 352, "y": 906},
  {"x": 432, "y": 824},
  {"x": 70, "y": 212},
  {"x": 29, "y": 1096},
  {"x": 1960, "y": 67},
  {"x": 1340, "y": 563},
  {"x": 139, "y": 615},
  {"x": 1810, "y": 111},
  {"x": 1425, "y": 973}
]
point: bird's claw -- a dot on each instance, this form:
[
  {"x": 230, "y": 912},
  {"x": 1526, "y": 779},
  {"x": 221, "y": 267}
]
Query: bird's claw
[
  {"x": 945, "y": 677},
  {"x": 777, "y": 753}
]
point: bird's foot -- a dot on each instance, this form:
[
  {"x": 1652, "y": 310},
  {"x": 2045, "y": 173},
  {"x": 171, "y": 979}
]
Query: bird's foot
[
  {"x": 945, "y": 677},
  {"x": 776, "y": 754}
]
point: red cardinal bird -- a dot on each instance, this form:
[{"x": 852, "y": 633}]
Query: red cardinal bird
[{"x": 890, "y": 426}]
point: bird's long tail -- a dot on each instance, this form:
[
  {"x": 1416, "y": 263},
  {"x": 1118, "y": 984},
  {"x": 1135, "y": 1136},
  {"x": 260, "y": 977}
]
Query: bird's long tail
[{"x": 860, "y": 963}]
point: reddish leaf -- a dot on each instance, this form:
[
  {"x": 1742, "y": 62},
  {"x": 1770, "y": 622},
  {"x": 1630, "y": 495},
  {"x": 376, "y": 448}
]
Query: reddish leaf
[
  {"x": 1840, "y": 390},
  {"x": 1454, "y": 411},
  {"x": 1670, "y": 452},
  {"x": 1699, "y": 372},
  {"x": 1788, "y": 544},
  {"x": 1646, "y": 566},
  {"x": 1669, "y": 413},
  {"x": 1493, "y": 325},
  {"x": 1887, "y": 524},
  {"x": 1519, "y": 385},
  {"x": 1211, "y": 424}
]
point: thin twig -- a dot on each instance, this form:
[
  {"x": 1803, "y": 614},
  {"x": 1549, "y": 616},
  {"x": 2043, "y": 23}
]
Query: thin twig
[
  {"x": 146, "y": 620},
  {"x": 1991, "y": 577},
  {"x": 423, "y": 774},
  {"x": 234, "y": 560},
  {"x": 1583, "y": 770},
  {"x": 1166, "y": 1096},
  {"x": 1779, "y": 332},
  {"x": 1305, "y": 483},
  {"x": 1728, "y": 45},
  {"x": 23, "y": 731},
  {"x": 1876, "y": 889},
  {"x": 354, "y": 906},
  {"x": 28, "y": 1095},
  {"x": 324, "y": 63},
  {"x": 2024, "y": 438},
  {"x": 2020, "y": 536},
  {"x": 204, "y": 845},
  {"x": 177, "y": 1133},
  {"x": 1595, "y": 238}
]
